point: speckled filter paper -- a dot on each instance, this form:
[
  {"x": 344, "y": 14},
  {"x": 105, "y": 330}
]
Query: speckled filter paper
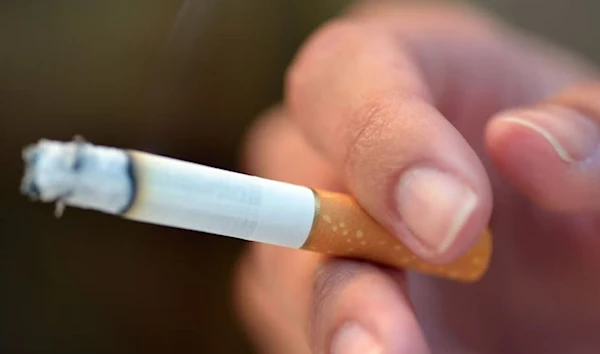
[{"x": 343, "y": 229}]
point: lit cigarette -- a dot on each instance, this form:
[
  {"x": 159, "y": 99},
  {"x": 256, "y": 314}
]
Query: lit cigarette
[{"x": 165, "y": 191}]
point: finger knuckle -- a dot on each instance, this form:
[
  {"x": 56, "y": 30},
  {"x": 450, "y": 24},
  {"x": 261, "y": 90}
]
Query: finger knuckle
[
  {"x": 331, "y": 278},
  {"x": 328, "y": 278},
  {"x": 366, "y": 130}
]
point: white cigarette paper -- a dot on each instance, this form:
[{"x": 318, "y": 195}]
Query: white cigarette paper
[{"x": 165, "y": 191}]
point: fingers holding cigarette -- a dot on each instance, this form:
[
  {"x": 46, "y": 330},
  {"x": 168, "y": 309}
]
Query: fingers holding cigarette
[
  {"x": 342, "y": 228},
  {"x": 374, "y": 119},
  {"x": 316, "y": 300}
]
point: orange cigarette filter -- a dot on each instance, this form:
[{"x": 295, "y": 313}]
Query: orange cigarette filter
[
  {"x": 343, "y": 229},
  {"x": 160, "y": 190}
]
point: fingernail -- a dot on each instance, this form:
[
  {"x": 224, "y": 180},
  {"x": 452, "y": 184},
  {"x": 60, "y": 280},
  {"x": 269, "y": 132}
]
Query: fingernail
[
  {"x": 573, "y": 136},
  {"x": 354, "y": 339},
  {"x": 435, "y": 206}
]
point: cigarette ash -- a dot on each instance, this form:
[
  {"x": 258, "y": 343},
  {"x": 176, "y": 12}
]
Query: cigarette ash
[
  {"x": 76, "y": 173},
  {"x": 51, "y": 169}
]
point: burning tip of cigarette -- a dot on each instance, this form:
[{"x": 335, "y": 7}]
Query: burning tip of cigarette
[
  {"x": 76, "y": 173},
  {"x": 49, "y": 170}
]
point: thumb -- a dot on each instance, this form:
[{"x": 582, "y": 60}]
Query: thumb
[{"x": 551, "y": 150}]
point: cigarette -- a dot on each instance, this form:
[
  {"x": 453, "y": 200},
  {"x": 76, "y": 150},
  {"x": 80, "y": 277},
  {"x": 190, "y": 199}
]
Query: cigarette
[{"x": 165, "y": 191}]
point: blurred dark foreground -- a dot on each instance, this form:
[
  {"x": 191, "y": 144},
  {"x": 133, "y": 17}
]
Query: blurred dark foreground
[{"x": 178, "y": 78}]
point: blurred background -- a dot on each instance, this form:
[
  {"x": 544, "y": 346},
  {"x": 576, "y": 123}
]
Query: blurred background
[{"x": 178, "y": 78}]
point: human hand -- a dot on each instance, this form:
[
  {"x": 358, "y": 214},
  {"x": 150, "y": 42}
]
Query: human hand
[{"x": 424, "y": 113}]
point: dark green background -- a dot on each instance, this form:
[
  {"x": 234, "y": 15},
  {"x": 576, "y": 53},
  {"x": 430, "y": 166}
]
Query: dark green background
[{"x": 177, "y": 78}]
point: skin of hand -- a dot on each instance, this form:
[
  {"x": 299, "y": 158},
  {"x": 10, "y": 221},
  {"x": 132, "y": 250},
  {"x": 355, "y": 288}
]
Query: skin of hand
[{"x": 440, "y": 120}]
